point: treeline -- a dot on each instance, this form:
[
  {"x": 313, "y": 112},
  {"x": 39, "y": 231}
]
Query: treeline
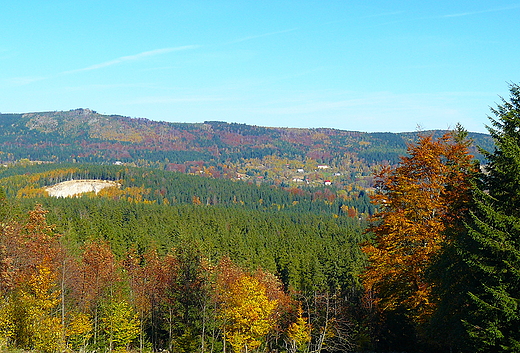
[{"x": 76, "y": 286}]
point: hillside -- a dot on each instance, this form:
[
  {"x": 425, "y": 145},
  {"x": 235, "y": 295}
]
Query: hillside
[{"x": 287, "y": 156}]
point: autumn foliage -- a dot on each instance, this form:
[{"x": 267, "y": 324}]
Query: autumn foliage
[
  {"x": 417, "y": 201},
  {"x": 51, "y": 301},
  {"x": 247, "y": 314},
  {"x": 30, "y": 255}
]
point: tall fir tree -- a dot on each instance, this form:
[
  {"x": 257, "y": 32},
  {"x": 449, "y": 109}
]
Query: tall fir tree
[{"x": 478, "y": 273}]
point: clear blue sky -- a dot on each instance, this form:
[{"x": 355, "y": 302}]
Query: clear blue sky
[{"x": 351, "y": 65}]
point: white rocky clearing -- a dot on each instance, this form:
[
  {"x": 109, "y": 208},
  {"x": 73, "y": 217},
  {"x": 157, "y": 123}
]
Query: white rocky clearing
[{"x": 76, "y": 187}]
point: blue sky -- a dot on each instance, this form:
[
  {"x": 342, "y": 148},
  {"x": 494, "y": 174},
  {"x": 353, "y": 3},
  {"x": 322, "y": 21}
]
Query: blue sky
[{"x": 351, "y": 65}]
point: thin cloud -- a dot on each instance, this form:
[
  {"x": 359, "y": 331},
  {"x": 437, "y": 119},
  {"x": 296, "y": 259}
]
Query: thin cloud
[
  {"x": 22, "y": 81},
  {"x": 470, "y": 13},
  {"x": 107, "y": 86},
  {"x": 261, "y": 35},
  {"x": 133, "y": 58},
  {"x": 161, "y": 68},
  {"x": 375, "y": 15}
]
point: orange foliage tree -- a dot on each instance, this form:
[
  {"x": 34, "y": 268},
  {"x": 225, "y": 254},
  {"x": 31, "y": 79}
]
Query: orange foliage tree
[
  {"x": 147, "y": 277},
  {"x": 285, "y": 310},
  {"x": 417, "y": 200},
  {"x": 29, "y": 294},
  {"x": 98, "y": 272}
]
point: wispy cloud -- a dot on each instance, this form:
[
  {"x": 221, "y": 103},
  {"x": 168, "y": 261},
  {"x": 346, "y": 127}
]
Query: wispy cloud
[
  {"x": 470, "y": 13},
  {"x": 161, "y": 68},
  {"x": 22, "y": 81},
  {"x": 261, "y": 35},
  {"x": 135, "y": 57},
  {"x": 374, "y": 15}
]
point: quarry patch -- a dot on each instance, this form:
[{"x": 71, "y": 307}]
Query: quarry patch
[{"x": 76, "y": 187}]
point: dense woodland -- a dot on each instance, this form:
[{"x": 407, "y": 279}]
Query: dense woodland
[{"x": 202, "y": 255}]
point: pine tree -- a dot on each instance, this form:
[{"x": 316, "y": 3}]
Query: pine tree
[{"x": 478, "y": 273}]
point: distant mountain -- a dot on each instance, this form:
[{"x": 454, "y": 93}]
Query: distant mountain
[{"x": 290, "y": 156}]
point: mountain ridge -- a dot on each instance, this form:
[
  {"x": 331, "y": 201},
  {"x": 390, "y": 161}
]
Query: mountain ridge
[
  {"x": 211, "y": 148},
  {"x": 92, "y": 116}
]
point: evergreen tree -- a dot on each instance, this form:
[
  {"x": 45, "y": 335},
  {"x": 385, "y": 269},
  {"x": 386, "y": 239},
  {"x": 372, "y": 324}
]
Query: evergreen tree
[{"x": 478, "y": 273}]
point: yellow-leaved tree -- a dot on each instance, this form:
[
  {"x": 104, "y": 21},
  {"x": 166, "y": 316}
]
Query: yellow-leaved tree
[
  {"x": 37, "y": 324},
  {"x": 6, "y": 315},
  {"x": 79, "y": 330},
  {"x": 30, "y": 267},
  {"x": 246, "y": 313},
  {"x": 299, "y": 333}
]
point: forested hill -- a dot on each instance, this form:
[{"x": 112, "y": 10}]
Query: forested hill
[{"x": 212, "y": 148}]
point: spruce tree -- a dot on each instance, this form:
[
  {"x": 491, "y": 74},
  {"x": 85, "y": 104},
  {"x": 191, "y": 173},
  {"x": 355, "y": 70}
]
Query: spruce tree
[{"x": 478, "y": 273}]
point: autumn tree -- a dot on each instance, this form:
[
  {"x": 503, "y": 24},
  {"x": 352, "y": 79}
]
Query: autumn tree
[
  {"x": 6, "y": 314},
  {"x": 148, "y": 282},
  {"x": 97, "y": 276},
  {"x": 283, "y": 314},
  {"x": 120, "y": 323},
  {"x": 36, "y": 302},
  {"x": 29, "y": 291},
  {"x": 78, "y": 330},
  {"x": 250, "y": 305},
  {"x": 8, "y": 235},
  {"x": 298, "y": 333},
  {"x": 330, "y": 322},
  {"x": 7, "y": 327},
  {"x": 246, "y": 313},
  {"x": 31, "y": 243},
  {"x": 416, "y": 200}
]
